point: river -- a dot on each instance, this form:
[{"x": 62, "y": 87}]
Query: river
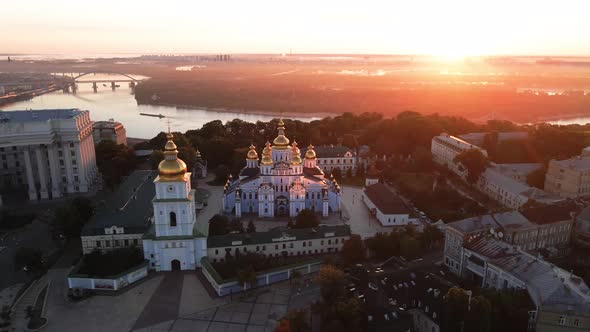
[{"x": 121, "y": 106}]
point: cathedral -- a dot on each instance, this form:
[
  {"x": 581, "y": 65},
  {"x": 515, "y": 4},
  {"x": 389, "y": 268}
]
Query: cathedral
[{"x": 281, "y": 183}]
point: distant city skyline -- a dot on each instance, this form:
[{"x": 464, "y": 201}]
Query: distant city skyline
[{"x": 450, "y": 28}]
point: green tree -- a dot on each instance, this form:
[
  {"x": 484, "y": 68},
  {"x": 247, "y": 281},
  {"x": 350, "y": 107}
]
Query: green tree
[
  {"x": 353, "y": 250},
  {"x": 409, "y": 247},
  {"x": 114, "y": 161},
  {"x": 332, "y": 282},
  {"x": 478, "y": 318},
  {"x": 430, "y": 236},
  {"x": 218, "y": 225},
  {"x": 221, "y": 174},
  {"x": 337, "y": 173},
  {"x": 247, "y": 277},
  {"x": 306, "y": 219},
  {"x": 349, "y": 173},
  {"x": 251, "y": 227},
  {"x": 474, "y": 162},
  {"x": 236, "y": 226},
  {"x": 84, "y": 207},
  {"x": 155, "y": 158}
]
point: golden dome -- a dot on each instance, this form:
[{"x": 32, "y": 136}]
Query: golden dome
[
  {"x": 266, "y": 155},
  {"x": 295, "y": 155},
  {"x": 252, "y": 152},
  {"x": 171, "y": 168},
  {"x": 281, "y": 142},
  {"x": 310, "y": 154}
]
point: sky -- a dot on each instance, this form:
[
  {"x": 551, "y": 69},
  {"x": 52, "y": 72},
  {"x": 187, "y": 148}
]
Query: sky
[{"x": 437, "y": 27}]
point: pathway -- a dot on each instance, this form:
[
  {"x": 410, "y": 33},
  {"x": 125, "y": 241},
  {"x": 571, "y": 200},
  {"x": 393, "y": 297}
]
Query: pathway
[{"x": 19, "y": 311}]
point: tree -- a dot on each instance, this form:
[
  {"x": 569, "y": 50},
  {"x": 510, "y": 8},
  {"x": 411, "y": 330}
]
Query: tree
[
  {"x": 537, "y": 178},
  {"x": 221, "y": 174},
  {"x": 297, "y": 320},
  {"x": 247, "y": 277},
  {"x": 353, "y": 250},
  {"x": 114, "y": 161},
  {"x": 306, "y": 219},
  {"x": 218, "y": 225},
  {"x": 478, "y": 318},
  {"x": 349, "y": 173},
  {"x": 251, "y": 227},
  {"x": 422, "y": 159},
  {"x": 332, "y": 282},
  {"x": 474, "y": 162},
  {"x": 409, "y": 247},
  {"x": 360, "y": 171},
  {"x": 455, "y": 307},
  {"x": 431, "y": 235},
  {"x": 236, "y": 226},
  {"x": 84, "y": 207},
  {"x": 155, "y": 158},
  {"x": 29, "y": 259},
  {"x": 337, "y": 173},
  {"x": 284, "y": 326},
  {"x": 69, "y": 220},
  {"x": 295, "y": 275}
]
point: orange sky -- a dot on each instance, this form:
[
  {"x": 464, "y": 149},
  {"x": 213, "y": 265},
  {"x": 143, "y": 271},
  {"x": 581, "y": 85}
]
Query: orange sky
[{"x": 448, "y": 28}]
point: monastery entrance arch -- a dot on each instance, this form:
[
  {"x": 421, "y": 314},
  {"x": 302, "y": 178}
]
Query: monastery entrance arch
[{"x": 175, "y": 265}]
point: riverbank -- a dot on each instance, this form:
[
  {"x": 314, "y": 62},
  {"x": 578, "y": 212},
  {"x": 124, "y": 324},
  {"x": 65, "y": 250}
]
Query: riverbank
[{"x": 246, "y": 111}]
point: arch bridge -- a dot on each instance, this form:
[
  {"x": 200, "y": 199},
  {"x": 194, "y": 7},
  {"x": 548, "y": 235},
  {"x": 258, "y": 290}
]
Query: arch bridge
[{"x": 128, "y": 78}]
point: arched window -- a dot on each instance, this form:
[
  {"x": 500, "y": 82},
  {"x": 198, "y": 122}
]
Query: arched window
[{"x": 172, "y": 219}]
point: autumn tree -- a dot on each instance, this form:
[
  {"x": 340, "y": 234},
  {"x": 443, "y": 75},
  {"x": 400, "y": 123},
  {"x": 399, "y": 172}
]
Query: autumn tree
[
  {"x": 353, "y": 250},
  {"x": 332, "y": 282},
  {"x": 306, "y": 219}
]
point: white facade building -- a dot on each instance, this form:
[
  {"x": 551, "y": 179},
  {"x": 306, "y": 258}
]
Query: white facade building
[
  {"x": 173, "y": 242},
  {"x": 389, "y": 209},
  {"x": 281, "y": 183},
  {"x": 51, "y": 152},
  {"x": 445, "y": 148},
  {"x": 330, "y": 157}
]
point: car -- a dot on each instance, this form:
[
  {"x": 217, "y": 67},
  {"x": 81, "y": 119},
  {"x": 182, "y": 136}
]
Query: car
[
  {"x": 373, "y": 287},
  {"x": 352, "y": 289},
  {"x": 370, "y": 318},
  {"x": 383, "y": 282},
  {"x": 386, "y": 317}
]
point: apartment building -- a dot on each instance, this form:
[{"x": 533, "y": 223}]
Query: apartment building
[
  {"x": 445, "y": 148},
  {"x": 109, "y": 131},
  {"x": 50, "y": 152},
  {"x": 569, "y": 178}
]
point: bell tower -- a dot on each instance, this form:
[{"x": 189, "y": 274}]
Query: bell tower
[{"x": 174, "y": 204}]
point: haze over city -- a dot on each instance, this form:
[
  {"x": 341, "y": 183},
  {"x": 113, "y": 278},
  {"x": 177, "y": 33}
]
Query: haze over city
[
  {"x": 303, "y": 166},
  {"x": 443, "y": 28}
]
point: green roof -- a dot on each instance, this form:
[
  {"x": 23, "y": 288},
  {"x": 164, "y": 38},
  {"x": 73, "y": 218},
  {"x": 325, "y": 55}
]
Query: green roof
[
  {"x": 130, "y": 206},
  {"x": 278, "y": 235}
]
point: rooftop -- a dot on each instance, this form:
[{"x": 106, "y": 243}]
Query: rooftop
[
  {"x": 549, "y": 286},
  {"x": 548, "y": 214},
  {"x": 38, "y": 115},
  {"x": 505, "y": 182},
  {"x": 106, "y": 124},
  {"x": 490, "y": 247},
  {"x": 457, "y": 142},
  {"x": 332, "y": 151},
  {"x": 130, "y": 206},
  {"x": 512, "y": 219},
  {"x": 474, "y": 224},
  {"x": 577, "y": 163},
  {"x": 385, "y": 200},
  {"x": 519, "y": 169},
  {"x": 278, "y": 235}
]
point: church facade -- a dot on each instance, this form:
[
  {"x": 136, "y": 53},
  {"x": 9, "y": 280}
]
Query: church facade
[
  {"x": 172, "y": 242},
  {"x": 281, "y": 183}
]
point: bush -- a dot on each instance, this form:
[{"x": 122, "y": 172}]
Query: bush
[{"x": 98, "y": 264}]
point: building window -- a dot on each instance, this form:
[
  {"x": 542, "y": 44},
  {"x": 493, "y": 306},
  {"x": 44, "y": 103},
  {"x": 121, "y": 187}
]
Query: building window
[
  {"x": 561, "y": 320},
  {"x": 304, "y": 243},
  {"x": 216, "y": 251},
  {"x": 135, "y": 242},
  {"x": 577, "y": 322},
  {"x": 172, "y": 219},
  {"x": 276, "y": 247},
  {"x": 126, "y": 243},
  {"x": 98, "y": 244},
  {"x": 107, "y": 243}
]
